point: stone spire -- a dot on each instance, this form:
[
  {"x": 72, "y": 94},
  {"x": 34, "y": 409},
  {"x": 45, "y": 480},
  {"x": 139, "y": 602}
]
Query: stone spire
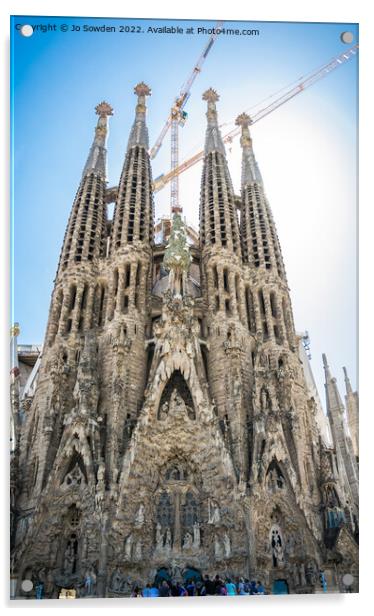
[
  {"x": 250, "y": 171},
  {"x": 341, "y": 439},
  {"x": 348, "y": 386},
  {"x": 96, "y": 161},
  {"x": 133, "y": 213},
  {"x": 213, "y": 139},
  {"x": 218, "y": 218},
  {"x": 260, "y": 243},
  {"x": 85, "y": 234},
  {"x": 139, "y": 131},
  {"x": 326, "y": 368},
  {"x": 334, "y": 402},
  {"x": 351, "y": 402}
]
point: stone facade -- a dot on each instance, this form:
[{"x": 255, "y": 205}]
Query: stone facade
[{"x": 171, "y": 428}]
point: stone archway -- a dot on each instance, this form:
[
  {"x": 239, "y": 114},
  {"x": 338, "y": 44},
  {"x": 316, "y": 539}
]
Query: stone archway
[
  {"x": 190, "y": 574},
  {"x": 280, "y": 587},
  {"x": 162, "y": 574},
  {"x": 176, "y": 393}
]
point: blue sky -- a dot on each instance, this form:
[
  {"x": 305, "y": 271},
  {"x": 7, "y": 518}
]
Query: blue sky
[{"x": 306, "y": 150}]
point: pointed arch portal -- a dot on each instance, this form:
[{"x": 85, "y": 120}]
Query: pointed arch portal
[{"x": 176, "y": 383}]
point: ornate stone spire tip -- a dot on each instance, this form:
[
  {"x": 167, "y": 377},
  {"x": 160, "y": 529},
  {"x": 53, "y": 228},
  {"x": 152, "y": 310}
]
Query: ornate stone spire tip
[
  {"x": 211, "y": 96},
  {"x": 142, "y": 89},
  {"x": 243, "y": 120},
  {"x": 104, "y": 109}
]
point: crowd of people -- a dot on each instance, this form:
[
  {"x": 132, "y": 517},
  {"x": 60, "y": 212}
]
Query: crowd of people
[{"x": 200, "y": 588}]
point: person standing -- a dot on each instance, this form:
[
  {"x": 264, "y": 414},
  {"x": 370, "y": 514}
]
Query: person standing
[
  {"x": 164, "y": 590},
  {"x": 146, "y": 592},
  {"x": 191, "y": 588},
  {"x": 230, "y": 587},
  {"x": 260, "y": 589},
  {"x": 253, "y": 588},
  {"x": 209, "y": 585},
  {"x": 39, "y": 590},
  {"x": 241, "y": 587},
  {"x": 217, "y": 585},
  {"x": 153, "y": 591}
]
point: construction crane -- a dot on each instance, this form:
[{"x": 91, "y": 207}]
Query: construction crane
[
  {"x": 304, "y": 83},
  {"x": 177, "y": 118}
]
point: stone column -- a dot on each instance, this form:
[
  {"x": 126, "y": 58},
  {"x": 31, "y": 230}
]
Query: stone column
[
  {"x": 177, "y": 523},
  {"x": 65, "y": 311},
  {"x": 268, "y": 315},
  {"x": 211, "y": 291},
  {"x": 133, "y": 270},
  {"x": 88, "y": 316},
  {"x": 75, "y": 315},
  {"x": 232, "y": 292},
  {"x": 121, "y": 286},
  {"x": 103, "y": 558},
  {"x": 221, "y": 290}
]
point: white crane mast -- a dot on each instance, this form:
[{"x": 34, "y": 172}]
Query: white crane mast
[{"x": 178, "y": 117}]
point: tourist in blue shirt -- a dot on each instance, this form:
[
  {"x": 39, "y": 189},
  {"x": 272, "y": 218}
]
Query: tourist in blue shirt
[
  {"x": 146, "y": 592},
  {"x": 230, "y": 587},
  {"x": 260, "y": 589},
  {"x": 154, "y": 592}
]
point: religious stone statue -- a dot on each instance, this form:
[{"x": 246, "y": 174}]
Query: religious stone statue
[
  {"x": 187, "y": 541},
  {"x": 139, "y": 517},
  {"x": 168, "y": 539},
  {"x": 271, "y": 482},
  {"x": 237, "y": 387},
  {"x": 218, "y": 548},
  {"x": 74, "y": 478},
  {"x": 213, "y": 512},
  {"x": 69, "y": 558},
  {"x": 159, "y": 536},
  {"x": 101, "y": 472},
  {"x": 263, "y": 360},
  {"x": 164, "y": 411},
  {"x": 265, "y": 401},
  {"x": 260, "y": 469},
  {"x": 128, "y": 547},
  {"x": 196, "y": 535},
  {"x": 277, "y": 548},
  {"x": 138, "y": 551},
  {"x": 179, "y": 405},
  {"x": 100, "y": 487},
  {"x": 116, "y": 580},
  {"x": 311, "y": 573}
]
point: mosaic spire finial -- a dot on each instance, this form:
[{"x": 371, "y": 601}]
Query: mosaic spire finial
[
  {"x": 139, "y": 131},
  {"x": 96, "y": 161},
  {"x": 250, "y": 170},
  {"x": 213, "y": 139}
]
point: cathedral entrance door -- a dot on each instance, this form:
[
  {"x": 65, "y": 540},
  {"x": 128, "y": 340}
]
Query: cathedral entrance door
[
  {"x": 280, "y": 587},
  {"x": 161, "y": 575},
  {"x": 192, "y": 575}
]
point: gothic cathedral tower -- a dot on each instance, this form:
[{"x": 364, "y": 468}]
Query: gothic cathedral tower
[{"x": 172, "y": 432}]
